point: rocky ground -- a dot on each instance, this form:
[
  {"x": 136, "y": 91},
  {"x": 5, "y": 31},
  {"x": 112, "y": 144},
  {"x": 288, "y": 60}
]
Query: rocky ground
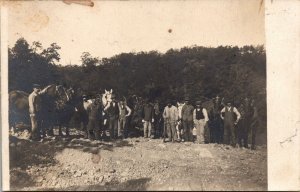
[{"x": 132, "y": 164}]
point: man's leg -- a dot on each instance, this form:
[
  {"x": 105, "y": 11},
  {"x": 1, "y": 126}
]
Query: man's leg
[
  {"x": 221, "y": 128},
  {"x": 245, "y": 133},
  {"x": 91, "y": 128},
  {"x": 33, "y": 127},
  {"x": 185, "y": 130},
  {"x": 120, "y": 127},
  {"x": 190, "y": 130},
  {"x": 111, "y": 128},
  {"x": 116, "y": 128},
  {"x": 226, "y": 139},
  {"x": 97, "y": 130},
  {"x": 169, "y": 131},
  {"x": 200, "y": 129},
  {"x": 149, "y": 129},
  {"x": 253, "y": 135},
  {"x": 232, "y": 134},
  {"x": 124, "y": 128},
  {"x": 174, "y": 132},
  {"x": 239, "y": 131},
  {"x": 145, "y": 129}
]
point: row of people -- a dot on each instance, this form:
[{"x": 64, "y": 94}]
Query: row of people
[{"x": 180, "y": 120}]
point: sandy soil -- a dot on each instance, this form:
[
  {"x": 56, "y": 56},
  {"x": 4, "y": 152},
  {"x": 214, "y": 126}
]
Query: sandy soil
[{"x": 132, "y": 164}]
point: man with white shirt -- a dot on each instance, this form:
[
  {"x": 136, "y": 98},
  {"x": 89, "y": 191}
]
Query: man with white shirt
[
  {"x": 229, "y": 122},
  {"x": 112, "y": 111},
  {"x": 200, "y": 118},
  {"x": 125, "y": 112},
  {"x": 170, "y": 116},
  {"x": 35, "y": 109}
]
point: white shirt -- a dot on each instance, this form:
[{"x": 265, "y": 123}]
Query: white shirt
[
  {"x": 204, "y": 114},
  {"x": 234, "y": 110}
]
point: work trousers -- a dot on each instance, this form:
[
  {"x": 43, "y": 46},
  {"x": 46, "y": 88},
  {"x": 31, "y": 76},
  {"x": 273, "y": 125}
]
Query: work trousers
[
  {"x": 229, "y": 133},
  {"x": 122, "y": 131},
  {"x": 94, "y": 127},
  {"x": 187, "y": 130},
  {"x": 171, "y": 128},
  {"x": 242, "y": 132},
  {"x": 147, "y": 129},
  {"x": 36, "y": 126},
  {"x": 199, "y": 124},
  {"x": 113, "y": 127},
  {"x": 216, "y": 130}
]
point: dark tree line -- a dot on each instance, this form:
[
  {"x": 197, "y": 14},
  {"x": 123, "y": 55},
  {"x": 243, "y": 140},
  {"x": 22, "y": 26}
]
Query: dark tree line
[{"x": 231, "y": 72}]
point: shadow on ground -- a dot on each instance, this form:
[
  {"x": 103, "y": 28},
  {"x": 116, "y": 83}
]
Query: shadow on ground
[{"x": 25, "y": 154}]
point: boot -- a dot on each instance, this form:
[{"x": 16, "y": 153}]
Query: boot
[
  {"x": 90, "y": 136},
  {"x": 67, "y": 132},
  {"x": 51, "y": 132},
  {"x": 60, "y": 131},
  {"x": 85, "y": 135},
  {"x": 97, "y": 135}
]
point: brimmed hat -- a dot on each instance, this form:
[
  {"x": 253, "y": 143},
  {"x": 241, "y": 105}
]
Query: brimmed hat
[
  {"x": 229, "y": 101},
  {"x": 186, "y": 98},
  {"x": 169, "y": 101},
  {"x": 198, "y": 102},
  {"x": 36, "y": 86}
]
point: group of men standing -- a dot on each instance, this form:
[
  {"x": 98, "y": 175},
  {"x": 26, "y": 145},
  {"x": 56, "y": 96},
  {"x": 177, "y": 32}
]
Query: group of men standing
[
  {"x": 113, "y": 116},
  {"x": 182, "y": 122}
]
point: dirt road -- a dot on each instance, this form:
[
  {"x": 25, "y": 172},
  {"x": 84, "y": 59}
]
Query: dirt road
[{"x": 133, "y": 164}]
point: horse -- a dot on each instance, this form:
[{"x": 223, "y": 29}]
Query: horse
[
  {"x": 66, "y": 104},
  {"x": 106, "y": 97},
  {"x": 19, "y": 106},
  {"x": 18, "y": 109}
]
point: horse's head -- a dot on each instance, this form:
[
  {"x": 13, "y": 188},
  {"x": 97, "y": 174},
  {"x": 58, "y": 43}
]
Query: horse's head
[
  {"x": 52, "y": 90},
  {"x": 106, "y": 97}
]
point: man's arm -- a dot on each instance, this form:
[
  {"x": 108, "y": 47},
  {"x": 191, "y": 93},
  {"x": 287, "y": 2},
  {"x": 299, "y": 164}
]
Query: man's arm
[
  {"x": 129, "y": 111},
  {"x": 237, "y": 114},
  {"x": 164, "y": 113},
  {"x": 31, "y": 100},
  {"x": 204, "y": 111},
  {"x": 194, "y": 114},
  {"x": 222, "y": 111},
  {"x": 107, "y": 106},
  {"x": 152, "y": 114},
  {"x": 176, "y": 114},
  {"x": 42, "y": 92}
]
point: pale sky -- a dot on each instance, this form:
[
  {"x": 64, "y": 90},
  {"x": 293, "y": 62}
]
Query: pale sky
[{"x": 113, "y": 27}]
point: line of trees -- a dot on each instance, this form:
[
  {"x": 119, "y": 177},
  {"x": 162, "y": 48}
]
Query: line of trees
[{"x": 196, "y": 71}]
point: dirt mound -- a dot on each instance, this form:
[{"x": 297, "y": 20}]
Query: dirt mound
[{"x": 133, "y": 164}]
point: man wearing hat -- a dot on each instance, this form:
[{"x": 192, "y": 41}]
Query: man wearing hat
[
  {"x": 125, "y": 112},
  {"x": 35, "y": 106},
  {"x": 216, "y": 127},
  {"x": 148, "y": 118},
  {"x": 170, "y": 116},
  {"x": 187, "y": 119},
  {"x": 229, "y": 122},
  {"x": 200, "y": 119},
  {"x": 94, "y": 117},
  {"x": 112, "y": 111}
]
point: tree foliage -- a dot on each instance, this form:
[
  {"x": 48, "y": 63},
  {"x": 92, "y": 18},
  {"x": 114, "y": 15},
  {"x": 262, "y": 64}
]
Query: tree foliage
[{"x": 231, "y": 72}]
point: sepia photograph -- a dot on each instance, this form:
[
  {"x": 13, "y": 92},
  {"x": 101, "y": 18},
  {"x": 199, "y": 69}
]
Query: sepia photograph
[{"x": 137, "y": 95}]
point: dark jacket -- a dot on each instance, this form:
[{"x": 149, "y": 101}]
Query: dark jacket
[
  {"x": 94, "y": 111},
  {"x": 187, "y": 112},
  {"x": 113, "y": 111},
  {"x": 148, "y": 112}
]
